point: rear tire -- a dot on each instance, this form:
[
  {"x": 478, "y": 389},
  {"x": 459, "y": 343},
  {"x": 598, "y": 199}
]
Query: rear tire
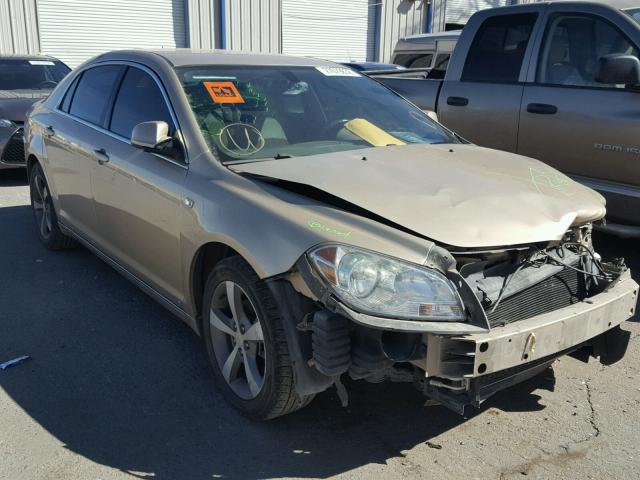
[
  {"x": 45, "y": 215},
  {"x": 243, "y": 332}
]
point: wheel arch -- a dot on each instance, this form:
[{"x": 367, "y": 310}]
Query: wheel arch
[
  {"x": 206, "y": 257},
  {"x": 31, "y": 161}
]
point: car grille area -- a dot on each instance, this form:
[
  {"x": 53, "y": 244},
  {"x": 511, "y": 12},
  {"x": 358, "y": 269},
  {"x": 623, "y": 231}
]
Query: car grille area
[
  {"x": 14, "y": 149},
  {"x": 558, "y": 291}
]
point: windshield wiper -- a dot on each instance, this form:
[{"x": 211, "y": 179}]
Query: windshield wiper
[{"x": 281, "y": 157}]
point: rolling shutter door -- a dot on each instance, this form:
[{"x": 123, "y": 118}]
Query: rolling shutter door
[
  {"x": 76, "y": 31},
  {"x": 339, "y": 30},
  {"x": 459, "y": 11}
]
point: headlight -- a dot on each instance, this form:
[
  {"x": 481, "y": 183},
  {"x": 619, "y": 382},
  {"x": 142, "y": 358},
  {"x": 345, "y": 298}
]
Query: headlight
[
  {"x": 6, "y": 123},
  {"x": 382, "y": 286}
]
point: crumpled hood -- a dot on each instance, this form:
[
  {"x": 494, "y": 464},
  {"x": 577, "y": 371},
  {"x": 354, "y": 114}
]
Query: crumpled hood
[
  {"x": 14, "y": 105},
  {"x": 459, "y": 195}
]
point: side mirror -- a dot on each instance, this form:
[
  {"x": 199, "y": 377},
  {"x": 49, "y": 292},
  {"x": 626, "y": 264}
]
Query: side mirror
[
  {"x": 432, "y": 115},
  {"x": 150, "y": 135},
  {"x": 618, "y": 70}
]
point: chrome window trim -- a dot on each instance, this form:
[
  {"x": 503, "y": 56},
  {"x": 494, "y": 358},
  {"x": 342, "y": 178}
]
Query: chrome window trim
[{"x": 165, "y": 97}]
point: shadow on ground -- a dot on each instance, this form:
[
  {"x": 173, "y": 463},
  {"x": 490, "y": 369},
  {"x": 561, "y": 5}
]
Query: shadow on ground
[{"x": 120, "y": 381}]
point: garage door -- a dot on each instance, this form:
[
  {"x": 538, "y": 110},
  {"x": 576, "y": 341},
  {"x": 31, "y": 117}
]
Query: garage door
[
  {"x": 75, "y": 31},
  {"x": 339, "y": 30},
  {"x": 459, "y": 11}
]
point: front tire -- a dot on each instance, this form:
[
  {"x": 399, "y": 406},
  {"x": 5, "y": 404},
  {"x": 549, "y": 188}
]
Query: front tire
[
  {"x": 45, "y": 215},
  {"x": 246, "y": 343}
]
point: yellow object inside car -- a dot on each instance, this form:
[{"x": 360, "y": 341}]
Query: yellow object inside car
[{"x": 370, "y": 133}]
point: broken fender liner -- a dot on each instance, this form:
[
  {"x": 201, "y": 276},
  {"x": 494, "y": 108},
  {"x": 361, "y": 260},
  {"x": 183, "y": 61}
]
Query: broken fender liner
[{"x": 293, "y": 308}]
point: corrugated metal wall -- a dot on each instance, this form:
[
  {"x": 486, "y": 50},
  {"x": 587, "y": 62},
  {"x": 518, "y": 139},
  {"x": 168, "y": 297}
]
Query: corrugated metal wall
[
  {"x": 252, "y": 25},
  {"x": 336, "y": 30},
  {"x": 459, "y": 11},
  {"x": 203, "y": 25},
  {"x": 439, "y": 15},
  {"x": 399, "y": 18},
  {"x": 75, "y": 31},
  {"x": 19, "y": 27}
]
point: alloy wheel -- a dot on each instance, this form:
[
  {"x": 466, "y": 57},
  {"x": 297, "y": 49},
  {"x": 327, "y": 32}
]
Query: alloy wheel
[
  {"x": 41, "y": 201},
  {"x": 238, "y": 340}
]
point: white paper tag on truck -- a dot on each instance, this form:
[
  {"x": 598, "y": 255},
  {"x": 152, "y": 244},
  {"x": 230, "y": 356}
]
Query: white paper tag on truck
[
  {"x": 338, "y": 72},
  {"x": 41, "y": 62}
]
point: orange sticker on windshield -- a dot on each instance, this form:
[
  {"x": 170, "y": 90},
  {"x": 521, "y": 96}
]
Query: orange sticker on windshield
[{"x": 223, "y": 92}]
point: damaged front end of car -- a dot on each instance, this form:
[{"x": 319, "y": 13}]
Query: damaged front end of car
[{"x": 462, "y": 326}]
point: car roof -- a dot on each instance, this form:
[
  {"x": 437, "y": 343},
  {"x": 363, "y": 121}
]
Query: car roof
[
  {"x": 182, "y": 57},
  {"x": 26, "y": 57}
]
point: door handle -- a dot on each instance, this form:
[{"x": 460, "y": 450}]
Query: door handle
[
  {"x": 542, "y": 109},
  {"x": 49, "y": 131},
  {"x": 101, "y": 155},
  {"x": 458, "y": 101}
]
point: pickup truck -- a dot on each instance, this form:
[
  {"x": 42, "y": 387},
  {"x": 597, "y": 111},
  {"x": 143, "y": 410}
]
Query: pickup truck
[{"x": 559, "y": 82}]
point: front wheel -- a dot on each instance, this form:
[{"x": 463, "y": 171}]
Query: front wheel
[
  {"x": 45, "y": 215},
  {"x": 246, "y": 343}
]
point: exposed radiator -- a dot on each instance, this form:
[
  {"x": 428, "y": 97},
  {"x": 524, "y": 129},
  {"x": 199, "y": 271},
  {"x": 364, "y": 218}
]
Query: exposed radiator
[{"x": 561, "y": 290}]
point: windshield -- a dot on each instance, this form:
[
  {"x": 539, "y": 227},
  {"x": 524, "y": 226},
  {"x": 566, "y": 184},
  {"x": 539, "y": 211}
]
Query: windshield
[
  {"x": 635, "y": 13},
  {"x": 20, "y": 74},
  {"x": 255, "y": 112}
]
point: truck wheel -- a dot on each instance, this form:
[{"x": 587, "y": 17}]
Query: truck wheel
[
  {"x": 246, "y": 343},
  {"x": 45, "y": 215}
]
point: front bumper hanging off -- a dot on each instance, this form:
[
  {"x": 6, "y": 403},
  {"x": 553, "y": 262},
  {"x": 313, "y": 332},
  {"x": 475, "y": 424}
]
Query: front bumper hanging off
[
  {"x": 532, "y": 339},
  {"x": 463, "y": 370}
]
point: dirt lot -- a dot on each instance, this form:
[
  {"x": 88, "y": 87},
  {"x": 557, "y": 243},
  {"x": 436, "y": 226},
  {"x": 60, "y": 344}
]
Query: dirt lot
[{"x": 118, "y": 388}]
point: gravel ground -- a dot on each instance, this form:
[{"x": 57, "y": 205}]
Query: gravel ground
[{"x": 118, "y": 388}]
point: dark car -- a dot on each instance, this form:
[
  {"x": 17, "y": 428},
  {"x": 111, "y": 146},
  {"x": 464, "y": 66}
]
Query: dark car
[
  {"x": 372, "y": 66},
  {"x": 23, "y": 81}
]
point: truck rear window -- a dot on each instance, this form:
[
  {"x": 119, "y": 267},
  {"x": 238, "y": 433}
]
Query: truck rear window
[
  {"x": 497, "y": 51},
  {"x": 635, "y": 14}
]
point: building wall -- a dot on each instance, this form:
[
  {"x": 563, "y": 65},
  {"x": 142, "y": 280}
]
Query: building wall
[
  {"x": 203, "y": 28},
  {"x": 251, "y": 25},
  {"x": 19, "y": 27},
  {"x": 399, "y": 18}
]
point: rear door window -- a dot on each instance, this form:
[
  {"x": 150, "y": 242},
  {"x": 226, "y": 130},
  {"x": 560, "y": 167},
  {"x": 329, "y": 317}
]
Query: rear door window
[
  {"x": 94, "y": 91},
  {"x": 497, "y": 52},
  {"x": 139, "y": 100}
]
